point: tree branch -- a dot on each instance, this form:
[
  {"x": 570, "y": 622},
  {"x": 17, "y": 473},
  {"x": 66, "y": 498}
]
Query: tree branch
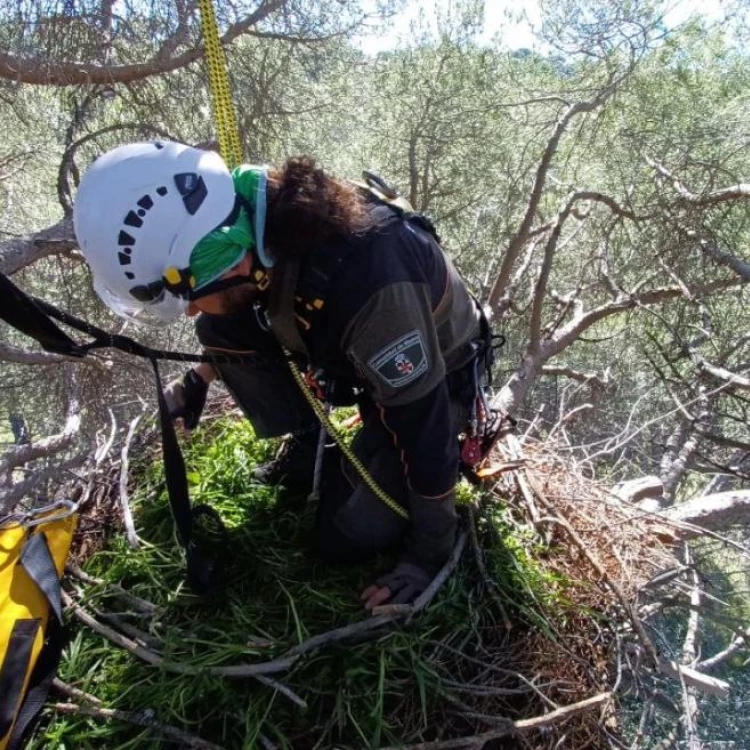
[
  {"x": 513, "y": 727},
  {"x": 55, "y": 73},
  {"x": 570, "y": 332},
  {"x": 20, "y": 252},
  {"x": 23, "y": 357},
  {"x": 741, "y": 190},
  {"x": 522, "y": 235},
  {"x": 714, "y": 512},
  {"x": 736, "y": 645}
]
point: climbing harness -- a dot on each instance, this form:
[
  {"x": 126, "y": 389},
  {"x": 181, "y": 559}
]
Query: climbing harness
[{"x": 33, "y": 550}]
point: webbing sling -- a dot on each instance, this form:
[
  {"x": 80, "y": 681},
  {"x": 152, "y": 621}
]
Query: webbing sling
[
  {"x": 31, "y": 637},
  {"x": 33, "y": 317}
]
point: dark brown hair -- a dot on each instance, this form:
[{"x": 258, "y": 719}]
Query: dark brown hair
[{"x": 307, "y": 208}]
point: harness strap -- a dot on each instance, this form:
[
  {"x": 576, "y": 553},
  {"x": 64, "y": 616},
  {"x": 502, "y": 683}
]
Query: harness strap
[
  {"x": 34, "y": 318},
  {"x": 25, "y": 315},
  {"x": 37, "y": 560},
  {"x": 204, "y": 568},
  {"x": 13, "y": 670}
]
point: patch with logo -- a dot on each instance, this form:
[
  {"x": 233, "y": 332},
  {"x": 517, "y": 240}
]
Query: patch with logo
[{"x": 402, "y": 361}]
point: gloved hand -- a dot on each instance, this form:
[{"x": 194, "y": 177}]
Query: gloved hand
[
  {"x": 186, "y": 397},
  {"x": 401, "y": 586},
  {"x": 431, "y": 537}
]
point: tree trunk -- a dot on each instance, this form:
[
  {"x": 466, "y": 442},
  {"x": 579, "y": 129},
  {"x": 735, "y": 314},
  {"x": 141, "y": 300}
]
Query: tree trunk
[{"x": 714, "y": 512}]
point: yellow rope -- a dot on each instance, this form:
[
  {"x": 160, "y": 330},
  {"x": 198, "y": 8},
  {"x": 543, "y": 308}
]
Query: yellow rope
[
  {"x": 221, "y": 95},
  {"x": 317, "y": 407},
  {"x": 231, "y": 152}
]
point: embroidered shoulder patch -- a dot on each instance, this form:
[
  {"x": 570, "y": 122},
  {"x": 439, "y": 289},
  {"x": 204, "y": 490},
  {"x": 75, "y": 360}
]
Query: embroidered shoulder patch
[{"x": 402, "y": 361}]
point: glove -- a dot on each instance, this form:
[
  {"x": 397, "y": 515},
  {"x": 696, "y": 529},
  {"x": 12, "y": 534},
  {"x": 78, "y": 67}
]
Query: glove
[
  {"x": 406, "y": 582},
  {"x": 432, "y": 531},
  {"x": 186, "y": 398},
  {"x": 431, "y": 537}
]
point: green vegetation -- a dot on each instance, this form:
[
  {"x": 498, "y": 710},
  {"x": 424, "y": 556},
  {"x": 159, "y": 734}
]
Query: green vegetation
[{"x": 386, "y": 690}]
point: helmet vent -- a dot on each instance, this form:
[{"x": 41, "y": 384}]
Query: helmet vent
[
  {"x": 193, "y": 190},
  {"x": 133, "y": 220},
  {"x": 146, "y": 202},
  {"x": 125, "y": 239},
  {"x": 161, "y": 190},
  {"x": 129, "y": 275},
  {"x": 124, "y": 259}
]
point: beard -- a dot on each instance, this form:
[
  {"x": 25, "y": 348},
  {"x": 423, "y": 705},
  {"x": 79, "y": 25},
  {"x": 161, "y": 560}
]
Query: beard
[{"x": 238, "y": 299}]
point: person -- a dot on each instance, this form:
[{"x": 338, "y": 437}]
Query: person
[{"x": 293, "y": 260}]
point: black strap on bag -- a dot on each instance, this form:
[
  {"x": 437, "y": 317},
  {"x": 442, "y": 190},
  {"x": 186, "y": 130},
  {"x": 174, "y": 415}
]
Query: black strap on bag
[
  {"x": 37, "y": 560},
  {"x": 34, "y": 317}
]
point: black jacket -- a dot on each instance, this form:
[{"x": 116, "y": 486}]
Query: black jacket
[{"x": 396, "y": 319}]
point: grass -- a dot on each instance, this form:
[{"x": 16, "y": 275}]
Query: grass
[{"x": 389, "y": 690}]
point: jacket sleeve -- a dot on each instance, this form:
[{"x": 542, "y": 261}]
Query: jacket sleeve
[{"x": 394, "y": 347}]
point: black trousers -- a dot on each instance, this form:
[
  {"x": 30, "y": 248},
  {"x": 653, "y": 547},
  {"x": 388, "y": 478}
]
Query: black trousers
[{"x": 352, "y": 522}]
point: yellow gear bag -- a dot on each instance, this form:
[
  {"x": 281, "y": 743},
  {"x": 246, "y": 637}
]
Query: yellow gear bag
[{"x": 32, "y": 560}]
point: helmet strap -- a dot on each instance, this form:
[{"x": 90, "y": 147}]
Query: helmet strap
[{"x": 259, "y": 277}]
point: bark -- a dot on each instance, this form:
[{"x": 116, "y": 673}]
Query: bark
[
  {"x": 56, "y": 73},
  {"x": 23, "y": 357},
  {"x": 636, "y": 490},
  {"x": 713, "y": 512},
  {"x": 540, "y": 179},
  {"x": 20, "y": 252}
]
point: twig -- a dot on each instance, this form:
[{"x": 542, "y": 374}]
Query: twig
[
  {"x": 285, "y": 660},
  {"x": 521, "y": 479},
  {"x": 515, "y": 727},
  {"x": 150, "y": 657},
  {"x": 92, "y": 707},
  {"x": 127, "y": 516},
  {"x": 489, "y": 584},
  {"x": 729, "y": 651},
  {"x": 429, "y": 593},
  {"x": 583, "y": 547},
  {"x": 137, "y": 602},
  {"x": 99, "y": 455},
  {"x": 283, "y": 689}
]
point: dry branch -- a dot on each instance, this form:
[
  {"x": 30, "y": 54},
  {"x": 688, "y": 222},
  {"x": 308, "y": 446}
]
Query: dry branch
[
  {"x": 20, "y": 252},
  {"x": 636, "y": 490},
  {"x": 693, "y": 678},
  {"x": 92, "y": 707},
  {"x": 717, "y": 512},
  {"x": 127, "y": 516},
  {"x": 740, "y": 642},
  {"x": 56, "y": 73},
  {"x": 558, "y": 716},
  {"x": 18, "y": 356},
  {"x": 286, "y": 660}
]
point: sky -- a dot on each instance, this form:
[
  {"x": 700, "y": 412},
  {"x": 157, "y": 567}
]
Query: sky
[{"x": 514, "y": 21}]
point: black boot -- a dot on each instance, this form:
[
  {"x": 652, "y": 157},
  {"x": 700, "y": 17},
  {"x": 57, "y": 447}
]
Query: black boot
[{"x": 294, "y": 463}]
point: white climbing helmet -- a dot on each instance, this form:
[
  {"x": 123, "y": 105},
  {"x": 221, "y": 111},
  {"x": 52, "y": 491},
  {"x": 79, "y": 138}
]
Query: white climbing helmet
[{"x": 139, "y": 212}]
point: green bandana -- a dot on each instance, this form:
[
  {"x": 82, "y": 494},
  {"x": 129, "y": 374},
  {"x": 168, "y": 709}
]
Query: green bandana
[{"x": 221, "y": 249}]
